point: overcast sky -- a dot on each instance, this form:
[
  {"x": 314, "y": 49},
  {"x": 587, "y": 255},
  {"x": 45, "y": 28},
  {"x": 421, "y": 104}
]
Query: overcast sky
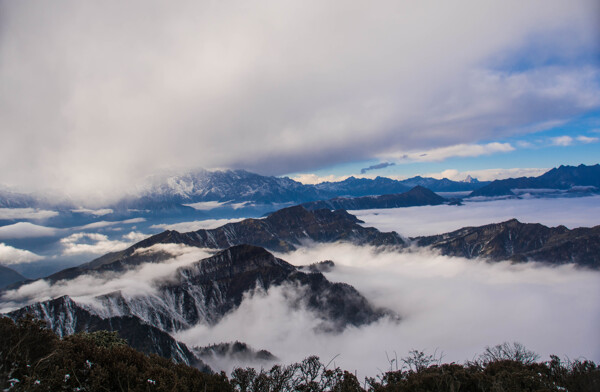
[{"x": 96, "y": 95}]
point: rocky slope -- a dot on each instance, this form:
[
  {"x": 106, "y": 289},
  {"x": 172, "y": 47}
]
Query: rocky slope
[
  {"x": 65, "y": 317},
  {"x": 207, "y": 290},
  {"x": 417, "y": 196},
  {"x": 513, "y": 240},
  {"x": 203, "y": 292}
]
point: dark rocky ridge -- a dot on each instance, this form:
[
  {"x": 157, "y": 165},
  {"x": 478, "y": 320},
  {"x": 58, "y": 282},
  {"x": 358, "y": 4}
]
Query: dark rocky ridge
[
  {"x": 210, "y": 288},
  {"x": 516, "y": 241},
  {"x": 417, "y": 196},
  {"x": 281, "y": 231}
]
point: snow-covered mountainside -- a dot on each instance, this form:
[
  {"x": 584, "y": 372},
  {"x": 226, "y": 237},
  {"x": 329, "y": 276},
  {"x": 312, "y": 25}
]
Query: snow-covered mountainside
[{"x": 230, "y": 186}]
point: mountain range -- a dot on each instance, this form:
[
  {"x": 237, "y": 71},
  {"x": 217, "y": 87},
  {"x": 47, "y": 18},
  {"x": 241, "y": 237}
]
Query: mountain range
[
  {"x": 281, "y": 231},
  {"x": 232, "y": 187},
  {"x": 563, "y": 178},
  {"x": 417, "y": 196},
  {"x": 241, "y": 193}
]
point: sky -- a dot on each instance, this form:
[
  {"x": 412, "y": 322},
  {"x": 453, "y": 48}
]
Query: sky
[{"x": 97, "y": 96}]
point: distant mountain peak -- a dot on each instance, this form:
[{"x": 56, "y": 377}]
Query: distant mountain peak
[{"x": 470, "y": 180}]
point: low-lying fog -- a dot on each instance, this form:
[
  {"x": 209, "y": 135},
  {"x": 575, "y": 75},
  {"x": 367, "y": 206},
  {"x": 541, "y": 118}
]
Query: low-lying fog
[
  {"x": 416, "y": 221},
  {"x": 452, "y": 305}
]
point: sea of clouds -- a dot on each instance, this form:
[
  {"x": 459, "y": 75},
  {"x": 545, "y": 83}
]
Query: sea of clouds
[
  {"x": 429, "y": 220},
  {"x": 452, "y": 305},
  {"x": 447, "y": 305}
]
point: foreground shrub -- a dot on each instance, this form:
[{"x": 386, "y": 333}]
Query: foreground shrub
[
  {"x": 32, "y": 358},
  {"x": 35, "y": 359}
]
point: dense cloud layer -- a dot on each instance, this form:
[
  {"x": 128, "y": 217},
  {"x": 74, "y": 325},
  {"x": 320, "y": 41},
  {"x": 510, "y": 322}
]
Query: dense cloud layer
[
  {"x": 430, "y": 220},
  {"x": 96, "y": 94},
  {"x": 452, "y": 305}
]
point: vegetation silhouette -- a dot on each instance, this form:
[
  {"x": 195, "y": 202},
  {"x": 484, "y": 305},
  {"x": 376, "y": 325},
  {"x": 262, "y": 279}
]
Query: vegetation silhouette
[{"x": 33, "y": 358}]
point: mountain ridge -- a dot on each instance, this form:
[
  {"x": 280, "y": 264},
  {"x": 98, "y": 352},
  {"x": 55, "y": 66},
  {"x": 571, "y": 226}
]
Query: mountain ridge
[
  {"x": 417, "y": 196},
  {"x": 520, "y": 242}
]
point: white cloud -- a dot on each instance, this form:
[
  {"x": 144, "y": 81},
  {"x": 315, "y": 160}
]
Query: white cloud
[
  {"x": 100, "y": 224},
  {"x": 185, "y": 227},
  {"x": 10, "y": 255},
  {"x": 96, "y": 243},
  {"x": 311, "y": 178},
  {"x": 27, "y": 230},
  {"x": 562, "y": 141},
  {"x": 429, "y": 220},
  {"x": 98, "y": 212},
  {"x": 454, "y": 305},
  {"x": 488, "y": 174},
  {"x": 459, "y": 150},
  {"x": 139, "y": 281},
  {"x": 26, "y": 213},
  {"x": 524, "y": 144},
  {"x": 275, "y": 87},
  {"x": 587, "y": 139},
  {"x": 206, "y": 205}
]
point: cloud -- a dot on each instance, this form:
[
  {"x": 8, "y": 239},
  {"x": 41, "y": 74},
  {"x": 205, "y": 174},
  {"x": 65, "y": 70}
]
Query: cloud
[
  {"x": 416, "y": 221},
  {"x": 459, "y": 150},
  {"x": 27, "y": 230},
  {"x": 26, "y": 213},
  {"x": 488, "y": 174},
  {"x": 139, "y": 281},
  {"x": 205, "y": 205},
  {"x": 275, "y": 87},
  {"x": 10, "y": 255},
  {"x": 185, "y": 227},
  {"x": 562, "y": 141},
  {"x": 100, "y": 224},
  {"x": 587, "y": 139},
  {"x": 311, "y": 179},
  {"x": 382, "y": 165},
  {"x": 96, "y": 243},
  {"x": 98, "y": 212},
  {"x": 452, "y": 305}
]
